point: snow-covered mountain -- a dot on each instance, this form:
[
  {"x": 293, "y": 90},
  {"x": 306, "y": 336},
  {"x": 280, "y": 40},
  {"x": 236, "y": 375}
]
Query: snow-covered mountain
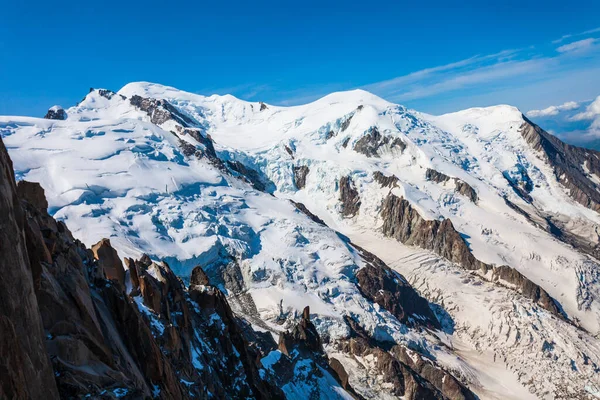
[{"x": 491, "y": 219}]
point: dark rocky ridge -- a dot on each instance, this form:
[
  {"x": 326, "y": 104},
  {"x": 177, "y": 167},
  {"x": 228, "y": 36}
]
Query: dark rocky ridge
[
  {"x": 302, "y": 208},
  {"x": 349, "y": 197},
  {"x": 25, "y": 368},
  {"x": 567, "y": 162},
  {"x": 380, "y": 284},
  {"x": 412, "y": 377},
  {"x": 385, "y": 181},
  {"x": 460, "y": 186},
  {"x": 302, "y": 346},
  {"x": 248, "y": 174},
  {"x": 56, "y": 113},
  {"x": 372, "y": 142},
  {"x": 402, "y": 222},
  {"x": 300, "y": 174}
]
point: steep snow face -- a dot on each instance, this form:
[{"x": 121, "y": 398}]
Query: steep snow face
[{"x": 109, "y": 172}]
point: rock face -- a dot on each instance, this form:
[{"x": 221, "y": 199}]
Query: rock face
[
  {"x": 300, "y": 363},
  {"x": 447, "y": 384},
  {"x": 349, "y": 197},
  {"x": 248, "y": 174},
  {"x": 373, "y": 142},
  {"x": 402, "y": 222},
  {"x": 25, "y": 369},
  {"x": 300, "y": 174},
  {"x": 460, "y": 186},
  {"x": 466, "y": 190},
  {"x": 56, "y": 112},
  {"x": 574, "y": 167},
  {"x": 390, "y": 290},
  {"x": 408, "y": 379},
  {"x": 385, "y": 181},
  {"x": 160, "y": 111},
  {"x": 33, "y": 193},
  {"x": 436, "y": 176},
  {"x": 108, "y": 261}
]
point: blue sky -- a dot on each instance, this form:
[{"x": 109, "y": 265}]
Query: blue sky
[{"x": 435, "y": 56}]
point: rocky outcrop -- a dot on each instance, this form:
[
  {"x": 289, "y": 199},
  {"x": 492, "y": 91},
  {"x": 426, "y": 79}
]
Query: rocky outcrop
[
  {"x": 300, "y": 174},
  {"x": 302, "y": 363},
  {"x": 380, "y": 284},
  {"x": 161, "y": 111},
  {"x": 514, "y": 278},
  {"x": 25, "y": 368},
  {"x": 385, "y": 181},
  {"x": 436, "y": 176},
  {"x": 109, "y": 262},
  {"x": 373, "y": 142},
  {"x": 248, "y": 174},
  {"x": 302, "y": 208},
  {"x": 263, "y": 106},
  {"x": 448, "y": 385},
  {"x": 303, "y": 337},
  {"x": 56, "y": 112},
  {"x": 460, "y": 186},
  {"x": 576, "y": 168},
  {"x": 402, "y": 222},
  {"x": 349, "y": 197},
  {"x": 33, "y": 193},
  {"x": 400, "y": 380},
  {"x": 466, "y": 190}
]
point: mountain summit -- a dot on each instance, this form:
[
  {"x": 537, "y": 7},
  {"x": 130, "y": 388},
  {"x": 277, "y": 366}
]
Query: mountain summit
[{"x": 355, "y": 248}]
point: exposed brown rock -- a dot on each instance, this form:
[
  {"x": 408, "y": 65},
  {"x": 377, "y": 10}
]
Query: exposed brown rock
[
  {"x": 436, "y": 176},
  {"x": 33, "y": 193},
  {"x": 109, "y": 261},
  {"x": 248, "y": 174},
  {"x": 466, "y": 190},
  {"x": 525, "y": 287},
  {"x": 461, "y": 186},
  {"x": 25, "y": 370},
  {"x": 302, "y": 208},
  {"x": 300, "y": 173},
  {"x": 385, "y": 181},
  {"x": 372, "y": 142},
  {"x": 199, "y": 277},
  {"x": 443, "y": 381},
  {"x": 391, "y": 291},
  {"x": 349, "y": 197},
  {"x": 402, "y": 222},
  {"x": 57, "y": 113},
  {"x": 567, "y": 162}
]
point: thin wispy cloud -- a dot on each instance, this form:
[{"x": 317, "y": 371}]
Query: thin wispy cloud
[
  {"x": 572, "y": 35},
  {"x": 498, "y": 71},
  {"x": 578, "y": 46}
]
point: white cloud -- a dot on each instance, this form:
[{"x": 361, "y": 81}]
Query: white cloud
[
  {"x": 592, "y": 112},
  {"x": 553, "y": 110},
  {"x": 578, "y": 46},
  {"x": 570, "y": 35}
]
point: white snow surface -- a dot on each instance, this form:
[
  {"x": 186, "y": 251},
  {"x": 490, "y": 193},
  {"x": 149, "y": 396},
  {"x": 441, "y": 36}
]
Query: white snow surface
[{"x": 109, "y": 172}]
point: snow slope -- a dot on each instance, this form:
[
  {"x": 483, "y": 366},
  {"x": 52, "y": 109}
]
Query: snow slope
[{"x": 109, "y": 172}]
